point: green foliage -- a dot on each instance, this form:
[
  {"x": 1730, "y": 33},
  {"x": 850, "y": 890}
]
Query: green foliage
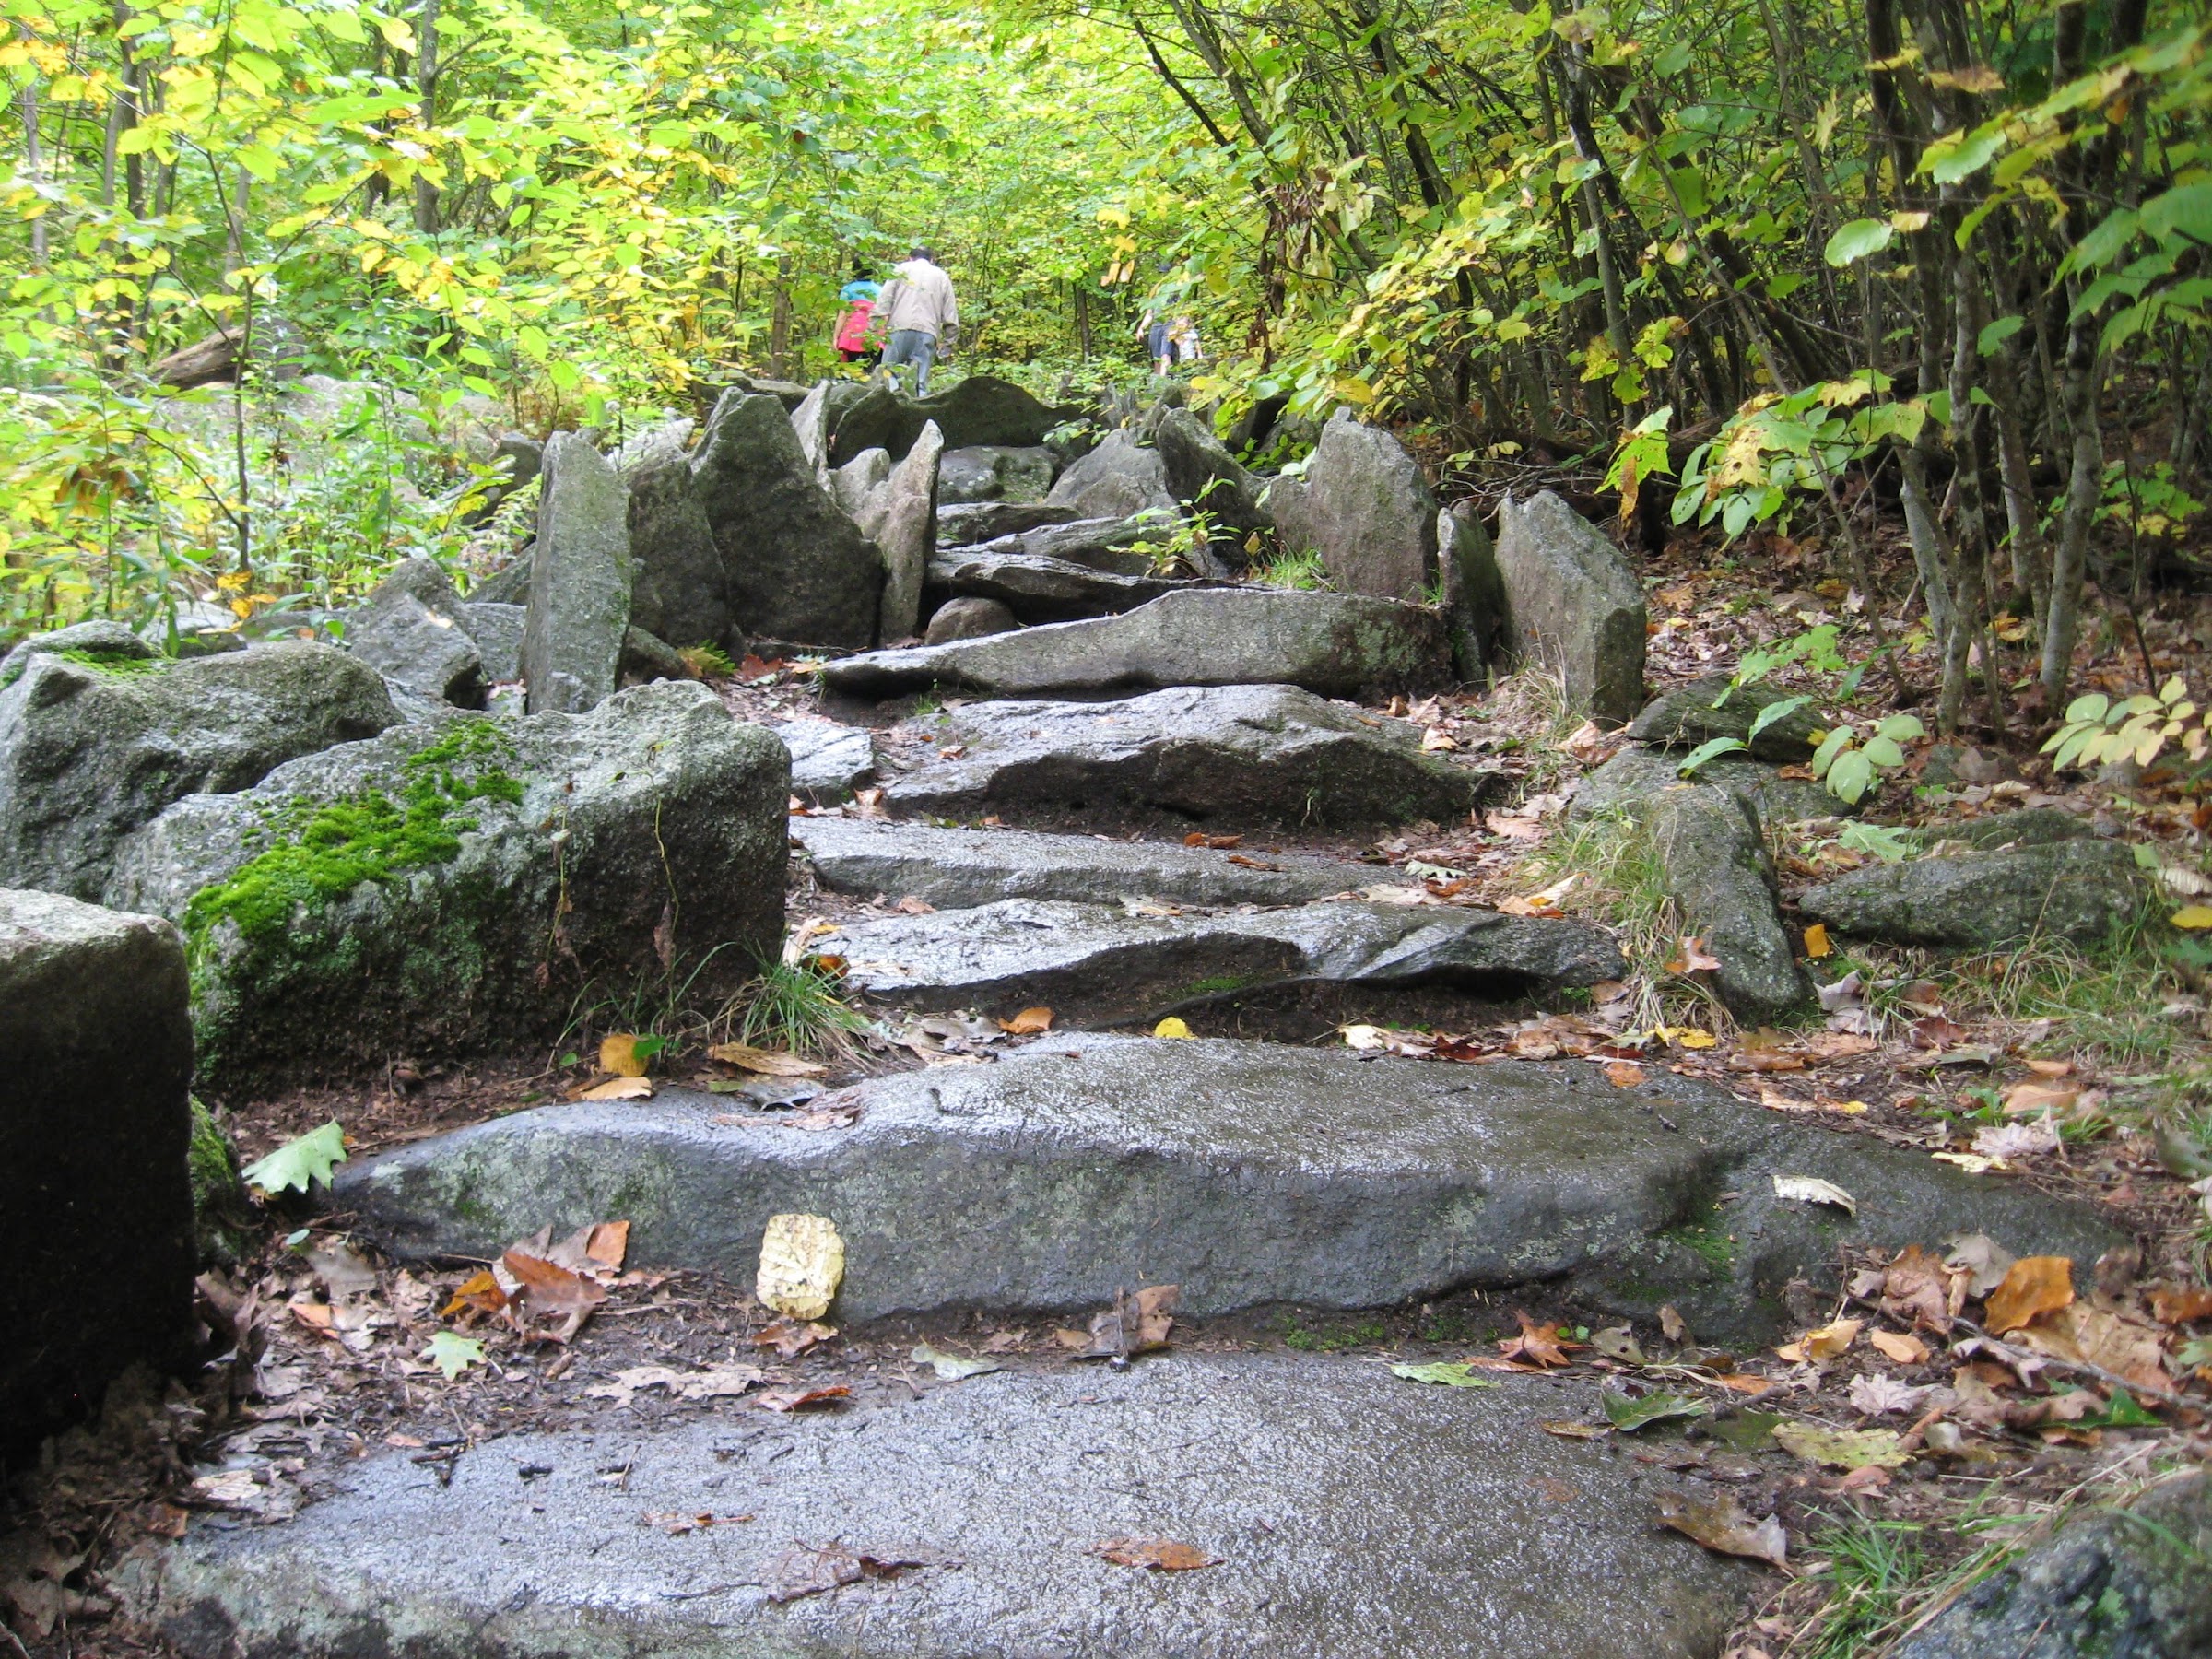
[
  {"x": 1302, "y": 570},
  {"x": 796, "y": 1006},
  {"x": 1628, "y": 1414},
  {"x": 300, "y": 1163},
  {"x": 323, "y": 850},
  {"x": 452, "y": 1353},
  {"x": 1851, "y": 764},
  {"x": 1450, "y": 1373},
  {"x": 2099, "y": 730},
  {"x": 1876, "y": 840},
  {"x": 1711, "y": 748}
]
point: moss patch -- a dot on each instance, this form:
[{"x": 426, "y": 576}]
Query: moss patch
[
  {"x": 222, "y": 1217},
  {"x": 116, "y": 664},
  {"x": 1712, "y": 1244},
  {"x": 323, "y": 850}
]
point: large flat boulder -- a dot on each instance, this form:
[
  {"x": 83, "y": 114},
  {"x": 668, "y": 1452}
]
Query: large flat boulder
[
  {"x": 828, "y": 760},
  {"x": 1249, "y": 1173},
  {"x": 679, "y": 591},
  {"x": 962, "y": 523},
  {"x": 956, "y": 868},
  {"x": 1104, "y": 544},
  {"x": 1709, "y": 708},
  {"x": 1364, "y": 507},
  {"x": 1572, "y": 604},
  {"x": 1036, "y": 588},
  {"x": 1224, "y": 754},
  {"x": 980, "y": 410},
  {"x": 1339, "y": 644},
  {"x": 1714, "y": 863},
  {"x": 92, "y": 747},
  {"x": 580, "y": 576},
  {"x": 1319, "y": 1483},
  {"x": 1629, "y": 782},
  {"x": 798, "y": 568},
  {"x": 95, "y": 1204},
  {"x": 1098, "y": 965},
  {"x": 2069, "y": 889},
  {"x": 454, "y": 888},
  {"x": 1117, "y": 479}
]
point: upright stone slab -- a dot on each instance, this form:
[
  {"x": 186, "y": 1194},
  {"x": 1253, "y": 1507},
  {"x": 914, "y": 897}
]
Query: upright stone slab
[
  {"x": 91, "y": 749},
  {"x": 810, "y": 426},
  {"x": 1365, "y": 509},
  {"x": 1473, "y": 594},
  {"x": 1204, "y": 475},
  {"x": 497, "y": 631},
  {"x": 679, "y": 593},
  {"x": 1342, "y": 644},
  {"x": 901, "y": 518},
  {"x": 95, "y": 1202},
  {"x": 580, "y": 580},
  {"x": 411, "y": 631},
  {"x": 455, "y": 889},
  {"x": 798, "y": 568},
  {"x": 1572, "y": 604},
  {"x": 1117, "y": 480},
  {"x": 1716, "y": 869},
  {"x": 1229, "y": 755},
  {"x": 854, "y": 482}
]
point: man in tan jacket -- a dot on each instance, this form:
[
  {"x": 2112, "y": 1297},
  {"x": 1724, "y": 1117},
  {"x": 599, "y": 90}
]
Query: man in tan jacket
[{"x": 918, "y": 309}]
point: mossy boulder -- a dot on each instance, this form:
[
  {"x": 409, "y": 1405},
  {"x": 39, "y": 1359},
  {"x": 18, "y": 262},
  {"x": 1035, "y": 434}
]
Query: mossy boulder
[
  {"x": 460, "y": 888},
  {"x": 2067, "y": 889},
  {"x": 1710, "y": 708},
  {"x": 221, "y": 1214},
  {"x": 94, "y": 744}
]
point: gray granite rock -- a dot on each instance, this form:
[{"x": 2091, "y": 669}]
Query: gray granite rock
[
  {"x": 1687, "y": 716},
  {"x": 900, "y": 517},
  {"x": 1097, "y": 965},
  {"x": 957, "y": 868},
  {"x": 1229, "y": 755},
  {"x": 799, "y": 570},
  {"x": 1713, "y": 861},
  {"x": 2070, "y": 889},
  {"x": 1364, "y": 507},
  {"x": 1572, "y": 604},
  {"x": 680, "y": 592},
  {"x": 1036, "y": 588},
  {"x": 580, "y": 580},
  {"x": 2127, "y": 1581},
  {"x": 852, "y": 484},
  {"x": 1339, "y": 643},
  {"x": 2033, "y": 826},
  {"x": 497, "y": 631},
  {"x": 1248, "y": 1174},
  {"x": 1118, "y": 479},
  {"x": 412, "y": 631},
  {"x": 980, "y": 410},
  {"x": 1629, "y": 780},
  {"x": 95, "y": 1202},
  {"x": 96, "y": 639},
  {"x": 1104, "y": 544},
  {"x": 965, "y": 523},
  {"x": 810, "y": 426},
  {"x": 646, "y": 658},
  {"x": 997, "y": 473},
  {"x": 89, "y": 751},
  {"x": 543, "y": 858},
  {"x": 1204, "y": 475},
  {"x": 969, "y": 618},
  {"x": 1314, "y": 1480},
  {"x": 1474, "y": 593},
  {"x": 828, "y": 762}
]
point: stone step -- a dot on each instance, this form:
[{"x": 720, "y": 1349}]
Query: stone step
[
  {"x": 1249, "y": 1173},
  {"x": 964, "y": 523},
  {"x": 1340, "y": 644},
  {"x": 1040, "y": 589},
  {"x": 828, "y": 762},
  {"x": 1234, "y": 755},
  {"x": 1106, "y": 966},
  {"x": 955, "y": 869},
  {"x": 1435, "y": 1523}
]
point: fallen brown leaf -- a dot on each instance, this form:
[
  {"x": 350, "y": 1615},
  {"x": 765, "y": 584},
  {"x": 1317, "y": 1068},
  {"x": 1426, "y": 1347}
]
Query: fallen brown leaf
[
  {"x": 619, "y": 1054},
  {"x": 2034, "y": 1286},
  {"x": 1691, "y": 957},
  {"x": 792, "y": 1337},
  {"x": 801, "y": 1399},
  {"x": 1156, "y": 1555},
  {"x": 549, "y": 1287},
  {"x": 911, "y": 906},
  {"x": 1134, "y": 1325},
  {"x": 768, "y": 1063},
  {"x": 1916, "y": 1289},
  {"x": 616, "y": 1089},
  {"x": 808, "y": 1571},
  {"x": 1904, "y": 1349},
  {"x": 1720, "y": 1523},
  {"x": 1826, "y": 1342},
  {"x": 2182, "y": 1307},
  {"x": 479, "y": 1294},
  {"x": 1623, "y": 1073},
  {"x": 1566, "y": 1429},
  {"x": 1029, "y": 1022},
  {"x": 1541, "y": 1344},
  {"x": 1220, "y": 843}
]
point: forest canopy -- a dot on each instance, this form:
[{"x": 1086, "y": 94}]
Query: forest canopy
[{"x": 1750, "y": 261}]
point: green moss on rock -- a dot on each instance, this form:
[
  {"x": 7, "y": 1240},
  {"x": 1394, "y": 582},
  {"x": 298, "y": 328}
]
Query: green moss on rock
[{"x": 222, "y": 1215}]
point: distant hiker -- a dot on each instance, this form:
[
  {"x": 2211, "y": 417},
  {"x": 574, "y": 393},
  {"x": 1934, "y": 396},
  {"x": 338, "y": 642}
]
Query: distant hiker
[
  {"x": 918, "y": 311},
  {"x": 858, "y": 297},
  {"x": 1160, "y": 340},
  {"x": 1182, "y": 337}
]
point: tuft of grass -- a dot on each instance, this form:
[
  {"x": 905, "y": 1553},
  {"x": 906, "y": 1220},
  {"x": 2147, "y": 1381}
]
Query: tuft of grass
[
  {"x": 1872, "y": 1567},
  {"x": 796, "y": 1006},
  {"x": 1302, "y": 570},
  {"x": 1533, "y": 704}
]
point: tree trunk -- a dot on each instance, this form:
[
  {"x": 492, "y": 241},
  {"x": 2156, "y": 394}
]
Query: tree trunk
[{"x": 426, "y": 80}]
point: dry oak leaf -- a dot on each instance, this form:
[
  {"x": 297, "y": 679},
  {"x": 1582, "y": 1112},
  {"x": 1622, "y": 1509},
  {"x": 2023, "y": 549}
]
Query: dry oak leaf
[
  {"x": 1623, "y": 1073},
  {"x": 2034, "y": 1286},
  {"x": 1720, "y": 1523},
  {"x": 1691, "y": 957},
  {"x": 2130, "y": 1348},
  {"x": 549, "y": 1287},
  {"x": 1826, "y": 1342},
  {"x": 1541, "y": 1344},
  {"x": 1219, "y": 844},
  {"x": 767, "y": 1061},
  {"x": 1156, "y": 1555},
  {"x": 1904, "y": 1349},
  {"x": 801, "y": 1399},
  {"x": 1916, "y": 1288},
  {"x": 1029, "y": 1022},
  {"x": 792, "y": 1337},
  {"x": 479, "y": 1294},
  {"x": 2035, "y": 1098}
]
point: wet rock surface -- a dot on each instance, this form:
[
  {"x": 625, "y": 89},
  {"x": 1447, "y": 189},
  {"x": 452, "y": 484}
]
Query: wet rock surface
[
  {"x": 90, "y": 752},
  {"x": 2069, "y": 889},
  {"x": 1336, "y": 643},
  {"x": 1714, "y": 864},
  {"x": 552, "y": 851},
  {"x": 1249, "y": 1173},
  {"x": 1364, "y": 507},
  {"x": 1109, "y": 966},
  {"x": 2113, "y": 1581},
  {"x": 827, "y": 760},
  {"x": 1572, "y": 604},
  {"x": 95, "y": 1205},
  {"x": 1036, "y": 588},
  {"x": 1231, "y": 754},
  {"x": 957, "y": 868},
  {"x": 1304, "y": 1475}
]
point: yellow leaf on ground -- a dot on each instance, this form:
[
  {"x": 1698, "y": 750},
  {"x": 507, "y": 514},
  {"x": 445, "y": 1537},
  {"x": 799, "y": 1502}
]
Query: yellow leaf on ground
[
  {"x": 2193, "y": 916},
  {"x": 1826, "y": 1342},
  {"x": 1691, "y": 1037},
  {"x": 2035, "y": 1285},
  {"x": 1816, "y": 941},
  {"x": 621, "y": 1088},
  {"x": 1904, "y": 1349},
  {"x": 1170, "y": 1027},
  {"x": 802, "y": 1264},
  {"x": 1028, "y": 1023},
  {"x": 767, "y": 1061},
  {"x": 1842, "y": 1448},
  {"x": 619, "y": 1054}
]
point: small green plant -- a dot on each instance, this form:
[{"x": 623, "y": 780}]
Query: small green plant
[
  {"x": 1876, "y": 841},
  {"x": 708, "y": 661},
  {"x": 1182, "y": 545},
  {"x": 1872, "y": 1565},
  {"x": 2138, "y": 728},
  {"x": 300, "y": 1163},
  {"x": 1302, "y": 570},
  {"x": 1851, "y": 765},
  {"x": 452, "y": 1353},
  {"x": 796, "y": 1006}
]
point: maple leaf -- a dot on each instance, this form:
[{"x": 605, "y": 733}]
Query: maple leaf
[
  {"x": 1541, "y": 1344},
  {"x": 1691, "y": 957}
]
